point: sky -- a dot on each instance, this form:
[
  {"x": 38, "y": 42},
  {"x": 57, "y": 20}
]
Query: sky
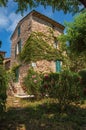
[{"x": 9, "y": 19}]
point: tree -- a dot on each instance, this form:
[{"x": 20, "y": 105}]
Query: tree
[
  {"x": 74, "y": 42},
  {"x": 65, "y": 5},
  {"x": 76, "y": 34}
]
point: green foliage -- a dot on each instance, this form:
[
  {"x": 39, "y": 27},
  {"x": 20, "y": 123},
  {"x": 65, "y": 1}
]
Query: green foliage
[
  {"x": 3, "y": 2},
  {"x": 13, "y": 73},
  {"x": 44, "y": 115},
  {"x": 3, "y": 87},
  {"x": 66, "y": 6},
  {"x": 82, "y": 73},
  {"x": 73, "y": 43},
  {"x": 68, "y": 88},
  {"x": 10, "y": 75},
  {"x": 76, "y": 34},
  {"x": 1, "y": 59},
  {"x": 48, "y": 85},
  {"x": 37, "y": 48},
  {"x": 32, "y": 82},
  {"x": 73, "y": 62},
  {"x": 64, "y": 86}
]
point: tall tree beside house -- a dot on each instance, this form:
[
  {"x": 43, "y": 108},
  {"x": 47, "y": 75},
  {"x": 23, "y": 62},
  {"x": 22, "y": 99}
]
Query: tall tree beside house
[
  {"x": 65, "y": 5},
  {"x": 74, "y": 42}
]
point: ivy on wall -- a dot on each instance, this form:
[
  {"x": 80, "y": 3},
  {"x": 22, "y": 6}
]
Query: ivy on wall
[{"x": 38, "y": 47}]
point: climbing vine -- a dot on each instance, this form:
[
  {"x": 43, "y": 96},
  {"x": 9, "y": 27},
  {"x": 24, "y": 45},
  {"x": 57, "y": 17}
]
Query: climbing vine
[{"x": 38, "y": 47}]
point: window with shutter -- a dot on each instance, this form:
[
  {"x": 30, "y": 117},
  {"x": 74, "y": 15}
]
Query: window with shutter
[{"x": 18, "y": 48}]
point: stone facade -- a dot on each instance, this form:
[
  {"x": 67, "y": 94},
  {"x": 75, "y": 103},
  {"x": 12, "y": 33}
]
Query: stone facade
[{"x": 38, "y": 23}]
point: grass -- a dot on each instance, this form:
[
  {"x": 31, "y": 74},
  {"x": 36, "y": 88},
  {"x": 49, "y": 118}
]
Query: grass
[{"x": 43, "y": 115}]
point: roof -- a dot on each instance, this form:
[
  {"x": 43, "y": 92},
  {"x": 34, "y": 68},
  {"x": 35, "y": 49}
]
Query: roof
[
  {"x": 41, "y": 16},
  {"x": 2, "y": 52},
  {"x": 7, "y": 59}
]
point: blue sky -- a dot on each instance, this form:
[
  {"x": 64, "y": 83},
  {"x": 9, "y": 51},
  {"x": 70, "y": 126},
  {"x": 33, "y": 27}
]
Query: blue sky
[{"x": 9, "y": 20}]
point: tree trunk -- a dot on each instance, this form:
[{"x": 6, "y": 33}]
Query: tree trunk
[{"x": 83, "y": 2}]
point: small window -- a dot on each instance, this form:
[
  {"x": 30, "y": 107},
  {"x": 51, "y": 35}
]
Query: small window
[
  {"x": 33, "y": 64},
  {"x": 18, "y": 48},
  {"x": 55, "y": 44},
  {"x": 19, "y": 31}
]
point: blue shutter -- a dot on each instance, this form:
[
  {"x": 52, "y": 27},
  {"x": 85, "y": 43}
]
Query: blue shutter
[{"x": 58, "y": 66}]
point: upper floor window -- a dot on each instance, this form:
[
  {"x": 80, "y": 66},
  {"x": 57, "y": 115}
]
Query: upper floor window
[
  {"x": 19, "y": 31},
  {"x": 18, "y": 48},
  {"x": 55, "y": 43}
]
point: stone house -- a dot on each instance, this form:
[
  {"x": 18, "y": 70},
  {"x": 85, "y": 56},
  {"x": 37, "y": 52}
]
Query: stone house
[{"x": 33, "y": 22}]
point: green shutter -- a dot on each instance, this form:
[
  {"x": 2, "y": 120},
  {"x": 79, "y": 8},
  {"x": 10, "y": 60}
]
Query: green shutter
[
  {"x": 58, "y": 66},
  {"x": 17, "y": 74}
]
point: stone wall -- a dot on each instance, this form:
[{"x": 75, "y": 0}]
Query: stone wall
[
  {"x": 23, "y": 71},
  {"x": 27, "y": 25},
  {"x": 25, "y": 30},
  {"x": 45, "y": 66},
  {"x": 40, "y": 25}
]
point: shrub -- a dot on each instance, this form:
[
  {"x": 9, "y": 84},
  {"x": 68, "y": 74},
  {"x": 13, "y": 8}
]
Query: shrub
[
  {"x": 3, "y": 95},
  {"x": 48, "y": 84},
  {"x": 68, "y": 88},
  {"x": 32, "y": 82},
  {"x": 64, "y": 86},
  {"x": 82, "y": 73}
]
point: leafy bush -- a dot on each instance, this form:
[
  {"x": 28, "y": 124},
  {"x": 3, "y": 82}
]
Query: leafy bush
[
  {"x": 82, "y": 73},
  {"x": 48, "y": 84},
  {"x": 64, "y": 86},
  {"x": 32, "y": 82},
  {"x": 68, "y": 88},
  {"x": 3, "y": 95}
]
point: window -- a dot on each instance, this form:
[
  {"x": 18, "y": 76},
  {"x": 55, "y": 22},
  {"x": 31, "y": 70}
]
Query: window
[
  {"x": 18, "y": 48},
  {"x": 19, "y": 31},
  {"x": 33, "y": 64},
  {"x": 55, "y": 44},
  {"x": 58, "y": 66}
]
